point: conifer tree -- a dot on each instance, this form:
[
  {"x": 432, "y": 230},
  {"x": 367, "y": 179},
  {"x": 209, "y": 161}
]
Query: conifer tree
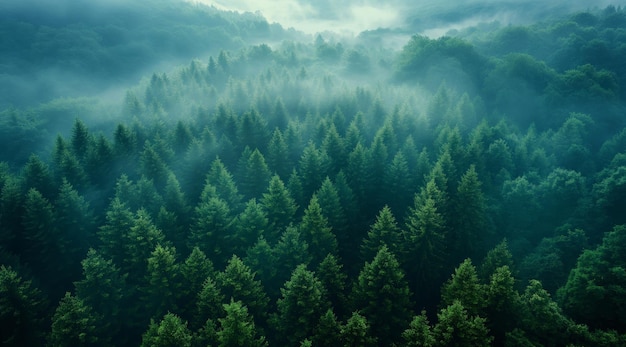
[
  {"x": 238, "y": 282},
  {"x": 468, "y": 227},
  {"x": 139, "y": 242},
  {"x": 209, "y": 304},
  {"x": 251, "y": 224},
  {"x": 382, "y": 294},
  {"x": 22, "y": 308},
  {"x": 465, "y": 288},
  {"x": 316, "y": 232},
  {"x": 162, "y": 281},
  {"x": 280, "y": 208},
  {"x": 328, "y": 331},
  {"x": 330, "y": 273},
  {"x": 210, "y": 228},
  {"x": 224, "y": 184},
  {"x": 36, "y": 174},
  {"x": 330, "y": 203},
  {"x": 301, "y": 306},
  {"x": 74, "y": 324},
  {"x": 334, "y": 147},
  {"x": 384, "y": 232},
  {"x": 262, "y": 260},
  {"x": 356, "y": 332},
  {"x": 313, "y": 168},
  {"x": 419, "y": 333},
  {"x": 397, "y": 184},
  {"x": 170, "y": 331},
  {"x": 103, "y": 288},
  {"x": 194, "y": 271},
  {"x": 112, "y": 235},
  {"x": 237, "y": 327},
  {"x": 456, "y": 328},
  {"x": 256, "y": 175},
  {"x": 278, "y": 157}
]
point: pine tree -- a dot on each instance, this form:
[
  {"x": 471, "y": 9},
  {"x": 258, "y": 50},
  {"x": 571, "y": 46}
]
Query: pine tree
[
  {"x": 103, "y": 288},
  {"x": 256, "y": 175},
  {"x": 502, "y": 303},
  {"x": 278, "y": 158},
  {"x": 465, "y": 288},
  {"x": 316, "y": 232},
  {"x": 162, "y": 282},
  {"x": 313, "y": 168},
  {"x": 225, "y": 187},
  {"x": 194, "y": 271},
  {"x": 170, "y": 331},
  {"x": 382, "y": 294},
  {"x": 36, "y": 174},
  {"x": 73, "y": 324},
  {"x": 384, "y": 232},
  {"x": 397, "y": 184},
  {"x": 332, "y": 209},
  {"x": 81, "y": 140},
  {"x": 419, "y": 333},
  {"x": 334, "y": 147},
  {"x": 456, "y": 328},
  {"x": 210, "y": 228},
  {"x": 468, "y": 227},
  {"x": 356, "y": 332},
  {"x": 22, "y": 308},
  {"x": 251, "y": 224},
  {"x": 301, "y": 306},
  {"x": 237, "y": 328},
  {"x": 238, "y": 282},
  {"x": 495, "y": 258},
  {"x": 112, "y": 235},
  {"x": 280, "y": 208},
  {"x": 330, "y": 273},
  {"x": 328, "y": 331},
  {"x": 209, "y": 303},
  {"x": 138, "y": 244},
  {"x": 262, "y": 261}
]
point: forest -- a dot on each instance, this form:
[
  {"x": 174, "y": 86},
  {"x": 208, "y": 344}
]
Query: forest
[{"x": 275, "y": 188}]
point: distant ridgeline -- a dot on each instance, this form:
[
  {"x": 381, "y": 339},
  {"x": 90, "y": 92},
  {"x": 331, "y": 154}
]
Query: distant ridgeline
[
  {"x": 465, "y": 191},
  {"x": 66, "y": 48}
]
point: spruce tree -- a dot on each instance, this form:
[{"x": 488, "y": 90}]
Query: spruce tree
[
  {"x": 237, "y": 328},
  {"x": 316, "y": 232},
  {"x": 74, "y": 324},
  {"x": 382, "y": 295}
]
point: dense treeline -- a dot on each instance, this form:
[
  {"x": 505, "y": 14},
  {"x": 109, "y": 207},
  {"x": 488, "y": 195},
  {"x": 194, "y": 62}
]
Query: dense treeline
[{"x": 276, "y": 196}]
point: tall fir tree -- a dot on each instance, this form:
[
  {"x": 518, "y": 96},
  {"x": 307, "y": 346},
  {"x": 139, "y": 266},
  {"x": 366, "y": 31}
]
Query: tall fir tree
[
  {"x": 382, "y": 295},
  {"x": 316, "y": 232},
  {"x": 74, "y": 324}
]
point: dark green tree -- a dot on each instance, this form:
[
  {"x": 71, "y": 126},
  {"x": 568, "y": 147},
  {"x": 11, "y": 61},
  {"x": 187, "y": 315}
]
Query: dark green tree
[
  {"x": 209, "y": 304},
  {"x": 238, "y": 282},
  {"x": 73, "y": 324},
  {"x": 112, "y": 235},
  {"x": 465, "y": 288},
  {"x": 36, "y": 174},
  {"x": 468, "y": 228},
  {"x": 224, "y": 184},
  {"x": 495, "y": 258},
  {"x": 170, "y": 331},
  {"x": 356, "y": 332},
  {"x": 163, "y": 281},
  {"x": 278, "y": 158},
  {"x": 22, "y": 308},
  {"x": 280, "y": 207},
  {"x": 419, "y": 333},
  {"x": 237, "y": 327},
  {"x": 103, "y": 288},
  {"x": 591, "y": 294},
  {"x": 210, "y": 228},
  {"x": 262, "y": 261},
  {"x": 300, "y": 308},
  {"x": 330, "y": 273},
  {"x": 194, "y": 271},
  {"x": 384, "y": 232},
  {"x": 398, "y": 184},
  {"x": 256, "y": 175},
  {"x": 313, "y": 167},
  {"x": 316, "y": 232},
  {"x": 138, "y": 243},
  {"x": 382, "y": 294},
  {"x": 456, "y": 328},
  {"x": 328, "y": 331},
  {"x": 332, "y": 209},
  {"x": 251, "y": 224}
]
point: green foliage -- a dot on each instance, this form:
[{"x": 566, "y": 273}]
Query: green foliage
[
  {"x": 300, "y": 307},
  {"x": 73, "y": 323},
  {"x": 237, "y": 328},
  {"x": 419, "y": 333},
  {"x": 316, "y": 232},
  {"x": 170, "y": 331},
  {"x": 21, "y": 308},
  {"x": 456, "y": 328},
  {"x": 382, "y": 294}
]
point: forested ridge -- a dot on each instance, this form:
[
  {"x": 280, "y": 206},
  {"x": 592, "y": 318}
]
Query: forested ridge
[{"x": 463, "y": 191}]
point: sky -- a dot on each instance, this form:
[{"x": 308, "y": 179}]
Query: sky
[{"x": 430, "y": 17}]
